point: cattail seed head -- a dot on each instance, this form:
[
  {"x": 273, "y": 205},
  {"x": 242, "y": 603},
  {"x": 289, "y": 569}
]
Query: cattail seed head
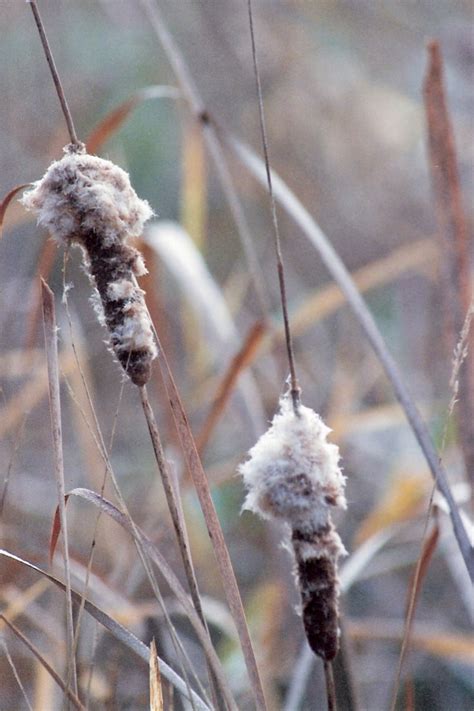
[
  {"x": 293, "y": 472},
  {"x": 88, "y": 201},
  {"x": 293, "y": 475}
]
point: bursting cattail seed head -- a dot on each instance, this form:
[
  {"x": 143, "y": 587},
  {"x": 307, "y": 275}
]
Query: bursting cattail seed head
[
  {"x": 293, "y": 475},
  {"x": 88, "y": 201}
]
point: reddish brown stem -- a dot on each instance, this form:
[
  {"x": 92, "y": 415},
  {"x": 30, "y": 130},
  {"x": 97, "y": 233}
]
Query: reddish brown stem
[{"x": 457, "y": 286}]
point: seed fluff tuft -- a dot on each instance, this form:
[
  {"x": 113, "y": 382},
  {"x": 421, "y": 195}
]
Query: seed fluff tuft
[
  {"x": 293, "y": 475},
  {"x": 88, "y": 201}
]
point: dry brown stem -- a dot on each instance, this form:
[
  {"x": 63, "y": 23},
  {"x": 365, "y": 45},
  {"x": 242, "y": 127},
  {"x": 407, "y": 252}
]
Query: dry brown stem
[
  {"x": 216, "y": 535},
  {"x": 51, "y": 345},
  {"x": 455, "y": 244},
  {"x": 295, "y": 388},
  {"x": 172, "y": 499},
  {"x": 239, "y": 363},
  {"x": 54, "y": 72}
]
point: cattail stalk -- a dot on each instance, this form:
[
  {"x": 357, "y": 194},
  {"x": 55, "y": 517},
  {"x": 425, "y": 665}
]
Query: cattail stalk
[
  {"x": 293, "y": 475},
  {"x": 88, "y": 201}
]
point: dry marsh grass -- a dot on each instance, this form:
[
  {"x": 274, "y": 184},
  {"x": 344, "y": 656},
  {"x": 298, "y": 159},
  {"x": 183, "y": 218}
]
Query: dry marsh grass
[{"x": 130, "y": 576}]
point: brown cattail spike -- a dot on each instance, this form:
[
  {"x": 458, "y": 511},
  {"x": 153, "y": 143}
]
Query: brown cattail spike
[
  {"x": 293, "y": 475},
  {"x": 85, "y": 200},
  {"x": 319, "y": 587}
]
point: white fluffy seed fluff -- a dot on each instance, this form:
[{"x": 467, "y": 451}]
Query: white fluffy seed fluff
[
  {"x": 122, "y": 289},
  {"x": 293, "y": 475},
  {"x": 82, "y": 192},
  {"x": 293, "y": 472}
]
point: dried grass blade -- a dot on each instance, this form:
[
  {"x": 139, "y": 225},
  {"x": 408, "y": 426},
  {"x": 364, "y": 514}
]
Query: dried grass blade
[
  {"x": 107, "y": 508},
  {"x": 295, "y": 389},
  {"x": 191, "y": 94},
  {"x": 22, "y": 600},
  {"x": 156, "y": 692},
  {"x": 18, "y": 680},
  {"x": 119, "y": 632},
  {"x": 51, "y": 345},
  {"x": 7, "y": 200},
  {"x": 179, "y": 524},
  {"x": 98, "y": 439},
  {"x": 45, "y": 264},
  {"x": 456, "y": 248},
  {"x": 429, "y": 547},
  {"x": 54, "y": 675},
  {"x": 451, "y": 646},
  {"x": 44, "y": 689},
  {"x": 419, "y": 256},
  {"x": 239, "y": 362},
  {"x": 402, "y": 500},
  {"x": 110, "y": 124},
  {"x": 338, "y": 271},
  {"x": 178, "y": 252},
  {"x": 194, "y": 184},
  {"x": 214, "y": 529},
  {"x": 55, "y": 530},
  {"x": 28, "y": 397}
]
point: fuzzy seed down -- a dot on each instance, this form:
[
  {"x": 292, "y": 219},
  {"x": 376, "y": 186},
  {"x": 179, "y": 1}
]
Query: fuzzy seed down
[
  {"x": 293, "y": 475},
  {"x": 88, "y": 201}
]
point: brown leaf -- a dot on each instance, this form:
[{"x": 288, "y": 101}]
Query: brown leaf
[
  {"x": 55, "y": 531},
  {"x": 226, "y": 386},
  {"x": 7, "y": 200},
  {"x": 214, "y": 528},
  {"x": 456, "y": 247},
  {"x": 429, "y": 547},
  {"x": 111, "y": 123}
]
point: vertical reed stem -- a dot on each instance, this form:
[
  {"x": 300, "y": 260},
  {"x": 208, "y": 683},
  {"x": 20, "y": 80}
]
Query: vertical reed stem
[
  {"x": 178, "y": 522},
  {"x": 51, "y": 344},
  {"x": 54, "y": 72},
  {"x": 295, "y": 389},
  {"x": 330, "y": 687}
]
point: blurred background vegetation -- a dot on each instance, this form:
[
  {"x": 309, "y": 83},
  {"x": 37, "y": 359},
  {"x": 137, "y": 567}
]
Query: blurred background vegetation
[{"x": 342, "y": 89}]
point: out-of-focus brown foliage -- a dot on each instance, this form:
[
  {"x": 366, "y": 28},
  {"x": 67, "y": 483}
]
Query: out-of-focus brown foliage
[{"x": 342, "y": 86}]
